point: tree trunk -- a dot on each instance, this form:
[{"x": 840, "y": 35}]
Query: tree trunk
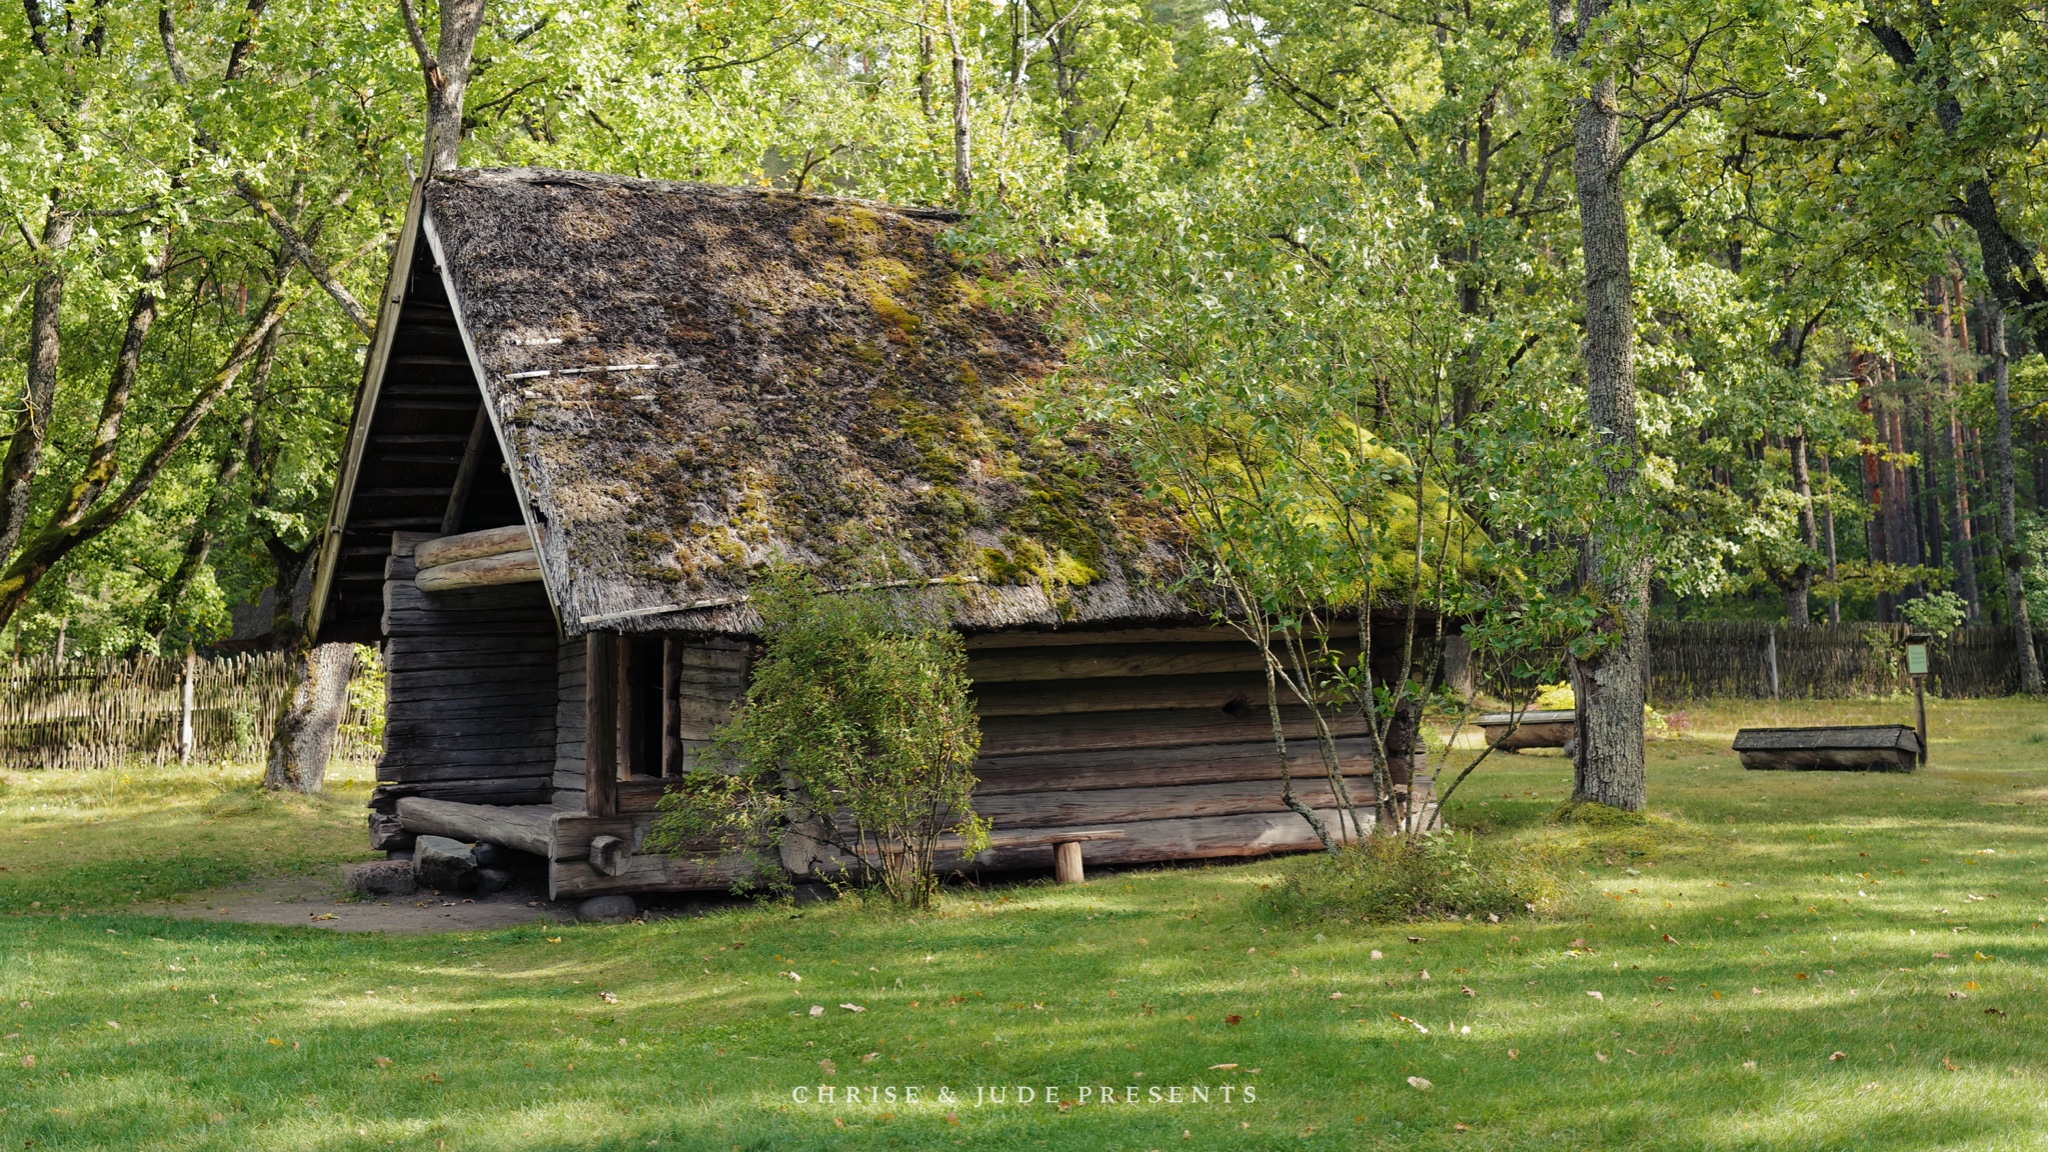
[
  {"x": 45, "y": 345},
  {"x": 2011, "y": 553},
  {"x": 1616, "y": 570},
  {"x": 963, "y": 167},
  {"x": 1797, "y": 611},
  {"x": 1834, "y": 561},
  {"x": 446, "y": 72},
  {"x": 304, "y": 737}
]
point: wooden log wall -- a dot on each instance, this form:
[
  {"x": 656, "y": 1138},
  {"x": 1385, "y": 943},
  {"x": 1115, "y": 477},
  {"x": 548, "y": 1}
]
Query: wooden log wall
[
  {"x": 1161, "y": 733},
  {"x": 472, "y": 691},
  {"x": 1078, "y": 730}
]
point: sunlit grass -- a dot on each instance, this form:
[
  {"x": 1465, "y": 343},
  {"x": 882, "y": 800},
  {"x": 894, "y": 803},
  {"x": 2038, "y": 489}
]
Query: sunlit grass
[{"x": 1805, "y": 915}]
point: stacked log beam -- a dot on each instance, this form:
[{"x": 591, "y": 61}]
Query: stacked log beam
[{"x": 472, "y": 690}]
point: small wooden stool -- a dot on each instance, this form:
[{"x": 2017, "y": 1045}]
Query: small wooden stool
[{"x": 1066, "y": 848}]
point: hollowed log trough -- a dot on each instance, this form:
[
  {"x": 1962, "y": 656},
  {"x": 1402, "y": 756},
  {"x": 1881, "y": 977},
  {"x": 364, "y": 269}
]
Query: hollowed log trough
[{"x": 1841, "y": 748}]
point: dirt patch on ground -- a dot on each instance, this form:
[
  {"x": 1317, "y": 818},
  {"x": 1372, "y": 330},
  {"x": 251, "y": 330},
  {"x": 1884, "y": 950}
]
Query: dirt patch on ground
[{"x": 322, "y": 902}]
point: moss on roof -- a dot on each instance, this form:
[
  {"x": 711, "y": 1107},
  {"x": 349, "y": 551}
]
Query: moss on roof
[{"x": 695, "y": 381}]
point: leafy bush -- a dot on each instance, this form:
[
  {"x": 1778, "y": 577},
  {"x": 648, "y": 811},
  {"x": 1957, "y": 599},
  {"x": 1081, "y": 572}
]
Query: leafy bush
[
  {"x": 1938, "y": 612},
  {"x": 1418, "y": 877},
  {"x": 857, "y": 733}
]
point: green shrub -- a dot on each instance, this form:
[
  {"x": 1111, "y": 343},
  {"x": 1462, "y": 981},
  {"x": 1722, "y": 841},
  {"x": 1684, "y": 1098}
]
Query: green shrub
[
  {"x": 857, "y": 734},
  {"x": 1421, "y": 877}
]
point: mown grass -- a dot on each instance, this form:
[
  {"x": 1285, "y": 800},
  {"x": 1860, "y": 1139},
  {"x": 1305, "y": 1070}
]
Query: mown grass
[{"x": 1803, "y": 915}]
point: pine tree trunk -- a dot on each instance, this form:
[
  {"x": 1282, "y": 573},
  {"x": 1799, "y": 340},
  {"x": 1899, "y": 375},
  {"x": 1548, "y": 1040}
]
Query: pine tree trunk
[
  {"x": 2011, "y": 554},
  {"x": 303, "y": 740},
  {"x": 1609, "y": 768},
  {"x": 1798, "y": 613}
]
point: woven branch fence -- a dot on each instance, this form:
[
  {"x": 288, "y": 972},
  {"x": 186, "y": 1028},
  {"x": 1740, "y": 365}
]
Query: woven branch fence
[
  {"x": 105, "y": 713},
  {"x": 1694, "y": 660}
]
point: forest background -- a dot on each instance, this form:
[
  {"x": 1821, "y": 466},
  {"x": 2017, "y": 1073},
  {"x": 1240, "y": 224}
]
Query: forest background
[{"x": 1702, "y": 309}]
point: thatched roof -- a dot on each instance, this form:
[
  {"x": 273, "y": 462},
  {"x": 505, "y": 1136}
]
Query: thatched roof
[{"x": 694, "y": 381}]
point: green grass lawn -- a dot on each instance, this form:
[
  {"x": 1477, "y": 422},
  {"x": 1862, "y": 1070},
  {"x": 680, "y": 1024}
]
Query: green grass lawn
[{"x": 1772, "y": 923}]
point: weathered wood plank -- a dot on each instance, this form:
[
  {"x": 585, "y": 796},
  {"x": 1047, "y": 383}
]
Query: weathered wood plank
[
  {"x": 458, "y": 754},
  {"x": 1067, "y": 639},
  {"x": 1095, "y": 661},
  {"x": 483, "y": 572},
  {"x": 1141, "y": 767},
  {"x": 1208, "y": 837},
  {"x": 650, "y": 873},
  {"x": 1012, "y": 735},
  {"x": 1063, "y": 697},
  {"x": 600, "y": 771},
  {"x": 513, "y": 790},
  {"x": 472, "y": 545},
  {"x": 475, "y": 733},
  {"x": 1125, "y": 805},
  {"x": 524, "y": 827}
]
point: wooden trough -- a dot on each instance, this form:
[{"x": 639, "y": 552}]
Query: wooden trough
[
  {"x": 1844, "y": 748},
  {"x": 1537, "y": 730}
]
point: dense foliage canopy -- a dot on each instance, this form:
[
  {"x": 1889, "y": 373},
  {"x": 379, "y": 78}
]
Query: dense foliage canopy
[{"x": 1338, "y": 249}]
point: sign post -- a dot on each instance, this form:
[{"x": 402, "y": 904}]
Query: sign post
[{"x": 1916, "y": 667}]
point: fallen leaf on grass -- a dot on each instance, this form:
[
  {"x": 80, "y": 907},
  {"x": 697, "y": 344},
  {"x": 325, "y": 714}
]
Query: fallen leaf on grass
[
  {"x": 853, "y": 1007},
  {"x": 1959, "y": 995},
  {"x": 1668, "y": 939},
  {"x": 1419, "y": 1083},
  {"x": 1513, "y": 1054},
  {"x": 323, "y": 916},
  {"x": 1597, "y": 996},
  {"x": 1600, "y": 1056},
  {"x": 381, "y": 1061},
  {"x": 817, "y": 1009},
  {"x": 1336, "y": 995},
  {"x": 1941, "y": 956},
  {"x": 1221, "y": 1067},
  {"x": 608, "y": 997},
  {"x": 871, "y": 1057},
  {"x": 1467, "y": 991},
  {"x": 1838, "y": 1056},
  {"x": 1994, "y": 1011},
  {"x": 1378, "y": 955},
  {"x": 1233, "y": 1019},
  {"x": 1749, "y": 1064},
  {"x": 28, "y": 1061},
  {"x": 830, "y": 1068},
  {"x": 432, "y": 1078},
  {"x": 554, "y": 939},
  {"x": 1461, "y": 1128},
  {"x": 1951, "y": 1065}
]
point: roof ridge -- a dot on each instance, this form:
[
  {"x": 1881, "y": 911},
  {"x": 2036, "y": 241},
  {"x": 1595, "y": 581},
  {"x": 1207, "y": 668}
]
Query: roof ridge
[{"x": 594, "y": 181}]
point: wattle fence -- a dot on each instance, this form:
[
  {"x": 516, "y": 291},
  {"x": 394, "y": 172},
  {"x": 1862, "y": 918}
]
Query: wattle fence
[
  {"x": 105, "y": 713},
  {"x": 1691, "y": 660}
]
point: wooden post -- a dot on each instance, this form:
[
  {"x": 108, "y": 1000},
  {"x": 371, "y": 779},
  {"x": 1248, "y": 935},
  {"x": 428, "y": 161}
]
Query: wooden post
[
  {"x": 671, "y": 707},
  {"x": 1066, "y": 863},
  {"x": 185, "y": 710},
  {"x": 465, "y": 473},
  {"x": 629, "y": 748},
  {"x": 600, "y": 724},
  {"x": 1920, "y": 716},
  {"x": 1771, "y": 655},
  {"x": 1917, "y": 667}
]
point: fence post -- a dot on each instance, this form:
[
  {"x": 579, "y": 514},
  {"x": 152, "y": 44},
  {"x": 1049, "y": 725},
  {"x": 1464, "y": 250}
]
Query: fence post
[
  {"x": 1771, "y": 655},
  {"x": 185, "y": 711}
]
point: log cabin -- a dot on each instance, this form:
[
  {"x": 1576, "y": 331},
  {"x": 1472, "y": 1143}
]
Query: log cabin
[{"x": 594, "y": 405}]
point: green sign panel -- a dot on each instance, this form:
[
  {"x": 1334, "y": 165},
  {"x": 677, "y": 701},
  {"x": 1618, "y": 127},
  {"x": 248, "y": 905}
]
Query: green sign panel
[{"x": 1916, "y": 659}]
